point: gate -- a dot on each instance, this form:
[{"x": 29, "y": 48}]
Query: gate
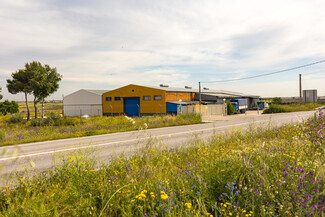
[{"x": 132, "y": 106}]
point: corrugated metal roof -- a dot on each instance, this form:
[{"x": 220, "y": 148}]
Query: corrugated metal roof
[
  {"x": 225, "y": 92},
  {"x": 98, "y": 92}
]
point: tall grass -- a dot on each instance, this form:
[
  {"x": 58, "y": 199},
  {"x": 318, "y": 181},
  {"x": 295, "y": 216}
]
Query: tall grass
[
  {"x": 55, "y": 127},
  {"x": 260, "y": 172},
  {"x": 295, "y": 107}
]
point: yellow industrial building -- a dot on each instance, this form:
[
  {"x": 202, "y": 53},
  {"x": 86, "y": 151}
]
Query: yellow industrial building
[{"x": 135, "y": 100}]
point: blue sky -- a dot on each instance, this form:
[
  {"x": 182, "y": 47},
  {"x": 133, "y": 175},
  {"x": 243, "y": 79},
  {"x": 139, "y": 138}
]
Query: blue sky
[{"x": 104, "y": 44}]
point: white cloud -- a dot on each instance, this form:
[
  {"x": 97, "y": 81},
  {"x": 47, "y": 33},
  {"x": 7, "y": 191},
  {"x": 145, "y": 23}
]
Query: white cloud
[{"x": 105, "y": 44}]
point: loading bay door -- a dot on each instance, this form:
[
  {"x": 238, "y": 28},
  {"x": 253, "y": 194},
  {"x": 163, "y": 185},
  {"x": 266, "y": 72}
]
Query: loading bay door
[{"x": 132, "y": 106}]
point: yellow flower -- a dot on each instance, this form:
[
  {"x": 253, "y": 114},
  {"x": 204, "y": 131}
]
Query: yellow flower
[
  {"x": 164, "y": 196},
  {"x": 230, "y": 214},
  {"x": 244, "y": 211},
  {"x": 144, "y": 192},
  {"x": 224, "y": 205},
  {"x": 188, "y": 205},
  {"x": 132, "y": 201}
]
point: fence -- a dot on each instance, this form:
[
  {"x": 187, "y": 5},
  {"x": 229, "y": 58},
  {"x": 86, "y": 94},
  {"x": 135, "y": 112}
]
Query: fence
[{"x": 204, "y": 110}]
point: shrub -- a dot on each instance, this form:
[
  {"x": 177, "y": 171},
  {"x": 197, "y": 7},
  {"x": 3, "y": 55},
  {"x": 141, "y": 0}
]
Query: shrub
[
  {"x": 16, "y": 118},
  {"x": 8, "y": 107},
  {"x": 230, "y": 108},
  {"x": 277, "y": 100},
  {"x": 275, "y": 109}
]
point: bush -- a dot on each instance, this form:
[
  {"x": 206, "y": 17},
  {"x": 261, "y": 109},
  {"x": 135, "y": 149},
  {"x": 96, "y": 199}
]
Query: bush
[
  {"x": 16, "y": 118},
  {"x": 275, "y": 109},
  {"x": 230, "y": 108},
  {"x": 8, "y": 107},
  {"x": 277, "y": 100}
]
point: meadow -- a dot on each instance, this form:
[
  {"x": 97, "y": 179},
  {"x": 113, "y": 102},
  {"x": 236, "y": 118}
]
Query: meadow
[
  {"x": 272, "y": 171},
  {"x": 293, "y": 107},
  {"x": 14, "y": 129}
]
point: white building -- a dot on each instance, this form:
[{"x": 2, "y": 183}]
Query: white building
[{"x": 84, "y": 102}]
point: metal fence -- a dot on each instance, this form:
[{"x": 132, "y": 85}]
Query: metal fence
[{"x": 204, "y": 110}]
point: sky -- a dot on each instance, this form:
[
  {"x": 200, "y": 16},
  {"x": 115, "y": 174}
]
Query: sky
[{"x": 106, "y": 44}]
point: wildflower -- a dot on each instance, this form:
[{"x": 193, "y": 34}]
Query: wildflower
[{"x": 188, "y": 205}]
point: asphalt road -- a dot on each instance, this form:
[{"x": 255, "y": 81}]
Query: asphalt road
[{"x": 41, "y": 154}]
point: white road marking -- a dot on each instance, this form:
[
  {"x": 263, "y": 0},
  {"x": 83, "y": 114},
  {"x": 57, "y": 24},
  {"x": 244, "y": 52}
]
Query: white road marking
[{"x": 132, "y": 140}]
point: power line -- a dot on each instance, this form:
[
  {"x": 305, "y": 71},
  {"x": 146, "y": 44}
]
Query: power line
[{"x": 262, "y": 75}]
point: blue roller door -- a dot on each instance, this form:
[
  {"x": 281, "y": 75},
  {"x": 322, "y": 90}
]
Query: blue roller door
[{"x": 132, "y": 106}]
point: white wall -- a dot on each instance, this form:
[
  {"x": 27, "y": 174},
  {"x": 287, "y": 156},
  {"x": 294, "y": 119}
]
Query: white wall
[{"x": 75, "y": 110}]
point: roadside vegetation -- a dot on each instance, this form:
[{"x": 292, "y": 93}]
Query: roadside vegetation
[
  {"x": 259, "y": 172},
  {"x": 15, "y": 129},
  {"x": 294, "y": 107}
]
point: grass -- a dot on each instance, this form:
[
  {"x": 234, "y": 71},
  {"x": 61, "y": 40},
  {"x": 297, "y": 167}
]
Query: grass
[
  {"x": 259, "y": 172},
  {"x": 56, "y": 107},
  {"x": 295, "y": 107},
  {"x": 68, "y": 127}
]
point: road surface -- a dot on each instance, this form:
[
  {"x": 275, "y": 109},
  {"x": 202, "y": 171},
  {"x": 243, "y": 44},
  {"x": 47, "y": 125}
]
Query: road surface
[{"x": 40, "y": 154}]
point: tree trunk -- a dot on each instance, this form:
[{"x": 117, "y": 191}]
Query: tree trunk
[
  {"x": 42, "y": 108},
  {"x": 35, "y": 108},
  {"x": 28, "y": 113}
]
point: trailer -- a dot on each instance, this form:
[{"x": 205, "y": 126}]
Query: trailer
[{"x": 240, "y": 105}]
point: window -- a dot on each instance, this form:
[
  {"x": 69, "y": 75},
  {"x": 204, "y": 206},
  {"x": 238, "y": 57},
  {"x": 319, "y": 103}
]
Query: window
[
  {"x": 108, "y": 99},
  {"x": 157, "y": 97},
  {"x": 117, "y": 98},
  {"x": 146, "y": 97}
]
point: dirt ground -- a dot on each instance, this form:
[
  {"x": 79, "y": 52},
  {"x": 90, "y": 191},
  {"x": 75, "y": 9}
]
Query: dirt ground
[{"x": 248, "y": 114}]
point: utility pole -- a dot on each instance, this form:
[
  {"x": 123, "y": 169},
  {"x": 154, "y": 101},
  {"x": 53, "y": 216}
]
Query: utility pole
[
  {"x": 300, "y": 89},
  {"x": 200, "y": 96}
]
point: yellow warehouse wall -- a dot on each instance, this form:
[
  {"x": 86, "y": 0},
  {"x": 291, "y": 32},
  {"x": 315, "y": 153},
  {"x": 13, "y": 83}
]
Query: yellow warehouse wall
[
  {"x": 176, "y": 96},
  {"x": 146, "y": 107}
]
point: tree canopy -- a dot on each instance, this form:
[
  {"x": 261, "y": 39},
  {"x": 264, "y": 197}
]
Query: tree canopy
[
  {"x": 0, "y": 94},
  {"x": 36, "y": 79},
  {"x": 8, "y": 107}
]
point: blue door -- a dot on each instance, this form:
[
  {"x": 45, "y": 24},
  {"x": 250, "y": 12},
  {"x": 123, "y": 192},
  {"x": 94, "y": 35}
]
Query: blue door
[{"x": 132, "y": 106}]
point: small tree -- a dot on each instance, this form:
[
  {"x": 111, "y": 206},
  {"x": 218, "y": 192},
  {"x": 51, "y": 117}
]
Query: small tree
[
  {"x": 230, "y": 108},
  {"x": 8, "y": 107},
  {"x": 45, "y": 82},
  {"x": 20, "y": 82},
  {"x": 277, "y": 100},
  {"x": 41, "y": 81}
]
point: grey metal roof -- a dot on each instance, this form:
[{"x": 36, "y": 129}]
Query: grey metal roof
[
  {"x": 225, "y": 92},
  {"x": 98, "y": 92}
]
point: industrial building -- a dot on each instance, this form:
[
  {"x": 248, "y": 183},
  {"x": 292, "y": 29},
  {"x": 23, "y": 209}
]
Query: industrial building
[
  {"x": 135, "y": 100},
  {"x": 84, "y": 102}
]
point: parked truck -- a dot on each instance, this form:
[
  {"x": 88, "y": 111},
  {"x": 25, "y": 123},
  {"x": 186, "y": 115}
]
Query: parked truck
[
  {"x": 240, "y": 105},
  {"x": 262, "y": 105}
]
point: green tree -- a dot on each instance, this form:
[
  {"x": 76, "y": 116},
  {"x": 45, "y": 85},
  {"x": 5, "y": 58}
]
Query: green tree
[
  {"x": 277, "y": 100},
  {"x": 44, "y": 82},
  {"x": 230, "y": 108},
  {"x": 0, "y": 94},
  {"x": 20, "y": 83},
  {"x": 8, "y": 107}
]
